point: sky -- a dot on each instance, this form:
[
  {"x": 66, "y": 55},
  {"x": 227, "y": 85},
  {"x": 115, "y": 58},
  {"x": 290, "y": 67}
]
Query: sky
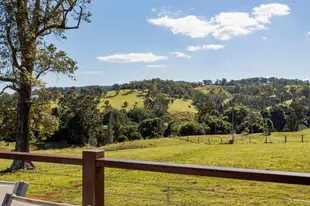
[{"x": 188, "y": 40}]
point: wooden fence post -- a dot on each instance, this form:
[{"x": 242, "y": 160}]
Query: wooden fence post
[
  {"x": 168, "y": 196},
  {"x": 221, "y": 140},
  {"x": 198, "y": 140},
  {"x": 266, "y": 139},
  {"x": 302, "y": 138},
  {"x": 250, "y": 139},
  {"x": 285, "y": 139},
  {"x": 93, "y": 179}
]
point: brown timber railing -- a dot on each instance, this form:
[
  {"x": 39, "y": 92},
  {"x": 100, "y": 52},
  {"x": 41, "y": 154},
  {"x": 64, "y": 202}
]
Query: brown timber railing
[{"x": 93, "y": 163}]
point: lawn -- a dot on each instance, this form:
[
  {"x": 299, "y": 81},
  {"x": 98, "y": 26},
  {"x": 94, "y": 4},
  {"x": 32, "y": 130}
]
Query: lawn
[{"x": 62, "y": 183}]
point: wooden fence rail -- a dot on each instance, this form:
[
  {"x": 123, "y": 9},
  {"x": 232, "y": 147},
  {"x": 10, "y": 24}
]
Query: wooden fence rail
[{"x": 93, "y": 163}]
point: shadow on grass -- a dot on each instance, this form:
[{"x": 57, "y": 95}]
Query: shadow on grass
[{"x": 44, "y": 145}]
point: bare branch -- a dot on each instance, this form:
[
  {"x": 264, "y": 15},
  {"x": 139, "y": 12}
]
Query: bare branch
[
  {"x": 62, "y": 25},
  {"x": 79, "y": 20},
  {"x": 7, "y": 87},
  {"x": 42, "y": 72}
]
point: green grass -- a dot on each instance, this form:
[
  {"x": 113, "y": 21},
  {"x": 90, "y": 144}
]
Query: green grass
[
  {"x": 62, "y": 183},
  {"x": 180, "y": 105},
  {"x": 133, "y": 96}
]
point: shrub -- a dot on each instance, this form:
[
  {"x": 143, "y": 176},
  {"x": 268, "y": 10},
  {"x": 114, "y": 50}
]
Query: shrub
[
  {"x": 192, "y": 128},
  {"x": 136, "y": 136},
  {"x": 138, "y": 115},
  {"x": 131, "y": 132},
  {"x": 173, "y": 129},
  {"x": 125, "y": 104},
  {"x": 121, "y": 138},
  {"x": 302, "y": 127},
  {"x": 92, "y": 141},
  {"x": 151, "y": 128}
]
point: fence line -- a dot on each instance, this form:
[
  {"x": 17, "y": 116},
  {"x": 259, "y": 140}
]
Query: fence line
[{"x": 94, "y": 163}]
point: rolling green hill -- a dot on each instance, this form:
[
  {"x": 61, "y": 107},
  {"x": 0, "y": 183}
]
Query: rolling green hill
[{"x": 133, "y": 97}]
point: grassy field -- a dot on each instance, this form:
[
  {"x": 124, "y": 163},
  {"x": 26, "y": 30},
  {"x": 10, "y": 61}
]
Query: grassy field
[
  {"x": 134, "y": 96},
  {"x": 62, "y": 183}
]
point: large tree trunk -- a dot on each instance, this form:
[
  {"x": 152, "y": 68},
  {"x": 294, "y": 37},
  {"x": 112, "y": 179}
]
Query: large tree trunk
[{"x": 22, "y": 127}]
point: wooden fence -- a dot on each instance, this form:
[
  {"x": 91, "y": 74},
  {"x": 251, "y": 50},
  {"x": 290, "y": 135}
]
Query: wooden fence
[{"x": 93, "y": 163}]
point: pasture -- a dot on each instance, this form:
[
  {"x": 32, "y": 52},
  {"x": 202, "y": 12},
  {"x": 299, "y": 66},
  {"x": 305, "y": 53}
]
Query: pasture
[{"x": 63, "y": 183}]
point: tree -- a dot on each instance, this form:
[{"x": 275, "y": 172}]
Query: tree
[
  {"x": 291, "y": 122},
  {"x": 125, "y": 104},
  {"x": 192, "y": 128},
  {"x": 25, "y": 56},
  {"x": 151, "y": 128}
]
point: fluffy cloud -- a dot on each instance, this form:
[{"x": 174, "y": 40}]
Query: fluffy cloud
[
  {"x": 181, "y": 55},
  {"x": 189, "y": 25},
  {"x": 210, "y": 46},
  {"x": 264, "y": 12},
  {"x": 225, "y": 25},
  {"x": 156, "y": 65},
  {"x": 132, "y": 57},
  {"x": 308, "y": 33}
]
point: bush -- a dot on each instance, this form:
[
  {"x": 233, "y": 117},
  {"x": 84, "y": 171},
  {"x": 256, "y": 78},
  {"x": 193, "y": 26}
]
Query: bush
[
  {"x": 122, "y": 138},
  {"x": 302, "y": 127},
  {"x": 138, "y": 115},
  {"x": 131, "y": 132},
  {"x": 151, "y": 128},
  {"x": 136, "y": 136},
  {"x": 92, "y": 141},
  {"x": 173, "y": 129},
  {"x": 192, "y": 128}
]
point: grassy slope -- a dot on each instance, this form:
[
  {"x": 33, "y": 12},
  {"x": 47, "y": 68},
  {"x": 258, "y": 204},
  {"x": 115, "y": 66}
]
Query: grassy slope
[
  {"x": 218, "y": 90},
  {"x": 148, "y": 188},
  {"x": 117, "y": 101}
]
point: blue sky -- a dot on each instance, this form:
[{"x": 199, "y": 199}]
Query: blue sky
[{"x": 189, "y": 40}]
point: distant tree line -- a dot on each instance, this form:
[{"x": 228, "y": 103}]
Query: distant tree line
[{"x": 75, "y": 115}]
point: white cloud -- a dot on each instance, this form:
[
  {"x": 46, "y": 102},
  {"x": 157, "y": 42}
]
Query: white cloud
[
  {"x": 263, "y": 38},
  {"x": 181, "y": 55},
  {"x": 156, "y": 65},
  {"x": 264, "y": 12},
  {"x": 308, "y": 33},
  {"x": 225, "y": 25},
  {"x": 153, "y": 9},
  {"x": 132, "y": 57},
  {"x": 189, "y": 25},
  {"x": 210, "y": 46}
]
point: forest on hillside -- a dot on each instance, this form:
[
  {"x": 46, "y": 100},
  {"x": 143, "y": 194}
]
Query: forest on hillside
[{"x": 85, "y": 115}]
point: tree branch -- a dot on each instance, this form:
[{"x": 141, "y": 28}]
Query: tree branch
[
  {"x": 62, "y": 25},
  {"x": 7, "y": 79},
  {"x": 42, "y": 72},
  {"x": 7, "y": 87},
  {"x": 13, "y": 49}
]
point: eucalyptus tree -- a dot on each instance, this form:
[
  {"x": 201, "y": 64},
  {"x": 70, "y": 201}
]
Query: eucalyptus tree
[{"x": 25, "y": 56}]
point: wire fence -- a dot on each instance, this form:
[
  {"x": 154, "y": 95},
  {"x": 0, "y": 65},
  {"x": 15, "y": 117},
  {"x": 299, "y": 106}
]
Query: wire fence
[
  {"x": 63, "y": 183},
  {"x": 247, "y": 139},
  {"x": 167, "y": 189}
]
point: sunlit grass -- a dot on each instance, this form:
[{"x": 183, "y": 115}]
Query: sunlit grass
[
  {"x": 62, "y": 183},
  {"x": 135, "y": 97}
]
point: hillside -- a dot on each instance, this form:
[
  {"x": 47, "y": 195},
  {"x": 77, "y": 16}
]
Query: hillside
[
  {"x": 62, "y": 183},
  {"x": 133, "y": 97}
]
